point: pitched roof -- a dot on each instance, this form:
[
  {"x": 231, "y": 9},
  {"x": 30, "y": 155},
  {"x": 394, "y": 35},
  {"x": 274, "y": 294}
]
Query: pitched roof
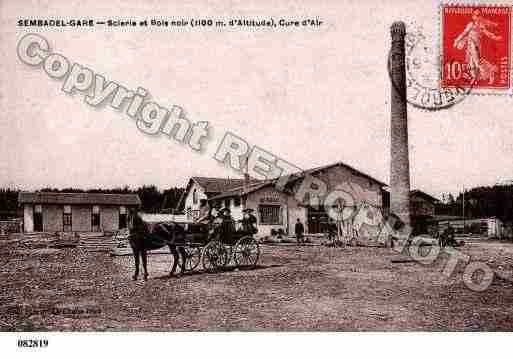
[
  {"x": 217, "y": 185},
  {"x": 213, "y": 185},
  {"x": 79, "y": 198},
  {"x": 419, "y": 193},
  {"x": 341, "y": 164},
  {"x": 423, "y": 194},
  {"x": 239, "y": 191}
]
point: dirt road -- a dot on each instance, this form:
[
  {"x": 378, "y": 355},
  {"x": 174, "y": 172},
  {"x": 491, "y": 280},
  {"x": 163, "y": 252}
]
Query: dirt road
[{"x": 295, "y": 288}]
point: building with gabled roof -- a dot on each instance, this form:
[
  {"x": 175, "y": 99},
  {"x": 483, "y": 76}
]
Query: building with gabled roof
[
  {"x": 422, "y": 210},
  {"x": 77, "y": 212},
  {"x": 198, "y": 188},
  {"x": 279, "y": 209}
]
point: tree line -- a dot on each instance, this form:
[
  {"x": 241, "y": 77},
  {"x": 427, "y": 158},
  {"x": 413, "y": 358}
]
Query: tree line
[
  {"x": 480, "y": 202},
  {"x": 152, "y": 198}
]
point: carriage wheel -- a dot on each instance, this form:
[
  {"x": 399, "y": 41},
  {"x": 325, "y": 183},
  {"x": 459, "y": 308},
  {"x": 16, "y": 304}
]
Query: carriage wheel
[
  {"x": 192, "y": 258},
  {"x": 214, "y": 256},
  {"x": 246, "y": 252}
]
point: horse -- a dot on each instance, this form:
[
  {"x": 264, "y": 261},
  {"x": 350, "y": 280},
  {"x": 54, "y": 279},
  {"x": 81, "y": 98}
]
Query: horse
[{"x": 162, "y": 234}]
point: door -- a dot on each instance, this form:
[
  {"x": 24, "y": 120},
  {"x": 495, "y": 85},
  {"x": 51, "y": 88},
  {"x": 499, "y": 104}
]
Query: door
[
  {"x": 122, "y": 218},
  {"x": 317, "y": 220},
  {"x": 38, "y": 218},
  {"x": 95, "y": 219}
]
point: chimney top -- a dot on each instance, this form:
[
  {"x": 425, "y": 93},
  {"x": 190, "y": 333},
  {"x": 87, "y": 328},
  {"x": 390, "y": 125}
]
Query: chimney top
[{"x": 398, "y": 28}]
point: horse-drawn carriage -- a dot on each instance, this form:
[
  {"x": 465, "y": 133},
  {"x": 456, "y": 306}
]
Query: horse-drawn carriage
[{"x": 215, "y": 244}]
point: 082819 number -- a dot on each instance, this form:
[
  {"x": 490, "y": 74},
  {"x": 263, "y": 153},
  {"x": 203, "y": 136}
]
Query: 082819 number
[{"x": 32, "y": 343}]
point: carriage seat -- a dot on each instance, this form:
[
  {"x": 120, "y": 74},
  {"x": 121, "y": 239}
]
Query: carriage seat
[
  {"x": 197, "y": 228},
  {"x": 232, "y": 231}
]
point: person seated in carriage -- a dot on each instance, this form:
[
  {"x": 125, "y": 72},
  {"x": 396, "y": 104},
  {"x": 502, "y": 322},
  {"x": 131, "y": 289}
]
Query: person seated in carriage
[
  {"x": 249, "y": 221},
  {"x": 224, "y": 225},
  {"x": 204, "y": 212},
  {"x": 216, "y": 214},
  {"x": 227, "y": 219},
  {"x": 214, "y": 219}
]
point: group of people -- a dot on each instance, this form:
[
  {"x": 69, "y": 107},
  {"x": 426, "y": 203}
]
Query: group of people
[
  {"x": 299, "y": 230},
  {"x": 223, "y": 218}
]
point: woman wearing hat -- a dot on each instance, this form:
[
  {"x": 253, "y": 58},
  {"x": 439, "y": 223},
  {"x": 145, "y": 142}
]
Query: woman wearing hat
[
  {"x": 249, "y": 221},
  {"x": 215, "y": 211},
  {"x": 227, "y": 223},
  {"x": 204, "y": 212}
]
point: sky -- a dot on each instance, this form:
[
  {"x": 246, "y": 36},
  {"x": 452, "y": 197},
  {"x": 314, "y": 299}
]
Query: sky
[{"x": 311, "y": 96}]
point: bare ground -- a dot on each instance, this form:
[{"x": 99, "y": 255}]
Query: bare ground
[{"x": 295, "y": 288}]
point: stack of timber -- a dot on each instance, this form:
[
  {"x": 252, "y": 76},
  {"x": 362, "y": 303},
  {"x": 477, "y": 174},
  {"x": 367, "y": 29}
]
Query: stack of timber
[{"x": 96, "y": 242}]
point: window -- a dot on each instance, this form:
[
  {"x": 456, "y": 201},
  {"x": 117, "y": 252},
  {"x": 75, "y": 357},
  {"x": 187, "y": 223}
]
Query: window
[
  {"x": 236, "y": 201},
  {"x": 95, "y": 219},
  {"x": 227, "y": 203},
  {"x": 66, "y": 218},
  {"x": 270, "y": 214},
  {"x": 195, "y": 197},
  {"x": 122, "y": 217}
]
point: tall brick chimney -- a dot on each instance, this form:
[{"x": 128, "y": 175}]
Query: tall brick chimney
[{"x": 399, "y": 161}]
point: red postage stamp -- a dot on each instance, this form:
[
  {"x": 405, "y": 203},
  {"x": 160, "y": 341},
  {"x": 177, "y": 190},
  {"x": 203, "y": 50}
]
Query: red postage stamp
[{"x": 476, "y": 47}]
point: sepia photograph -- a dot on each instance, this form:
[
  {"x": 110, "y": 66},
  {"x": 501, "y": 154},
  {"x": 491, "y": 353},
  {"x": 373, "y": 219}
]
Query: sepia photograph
[{"x": 285, "y": 177}]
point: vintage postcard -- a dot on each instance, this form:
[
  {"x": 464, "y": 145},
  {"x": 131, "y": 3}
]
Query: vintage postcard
[{"x": 255, "y": 166}]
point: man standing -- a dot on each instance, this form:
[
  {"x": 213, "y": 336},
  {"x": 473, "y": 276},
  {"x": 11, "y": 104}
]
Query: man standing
[
  {"x": 450, "y": 236},
  {"x": 299, "y": 230},
  {"x": 332, "y": 231}
]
